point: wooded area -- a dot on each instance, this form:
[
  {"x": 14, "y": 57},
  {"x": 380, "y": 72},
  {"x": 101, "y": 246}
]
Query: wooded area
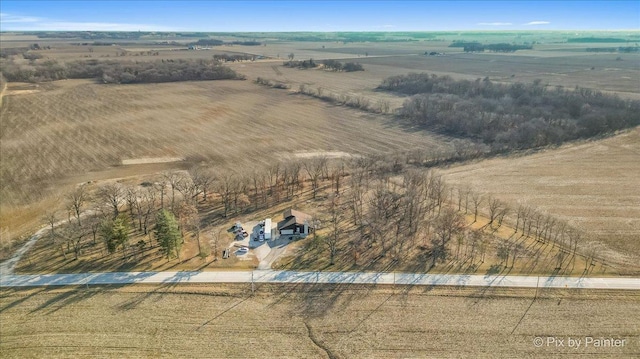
[
  {"x": 510, "y": 116},
  {"x": 124, "y": 72},
  {"x": 374, "y": 207}
]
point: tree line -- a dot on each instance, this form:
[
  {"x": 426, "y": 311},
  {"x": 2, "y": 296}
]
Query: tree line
[
  {"x": 233, "y": 57},
  {"x": 120, "y": 71},
  {"x": 214, "y": 42},
  {"x": 479, "y": 47},
  {"x": 392, "y": 204},
  {"x": 332, "y": 65},
  {"x": 622, "y": 49},
  {"x": 305, "y": 64},
  {"x": 359, "y": 102},
  {"x": 338, "y": 66},
  {"x": 510, "y": 116}
]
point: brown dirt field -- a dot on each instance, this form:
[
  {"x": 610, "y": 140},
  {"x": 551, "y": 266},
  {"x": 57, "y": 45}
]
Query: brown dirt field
[
  {"x": 593, "y": 185},
  {"x": 309, "y": 321},
  {"x": 76, "y": 128},
  {"x": 86, "y": 129},
  {"x": 568, "y": 71}
]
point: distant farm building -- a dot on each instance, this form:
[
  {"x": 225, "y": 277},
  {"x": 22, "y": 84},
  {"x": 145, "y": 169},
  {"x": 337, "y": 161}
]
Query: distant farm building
[{"x": 295, "y": 223}]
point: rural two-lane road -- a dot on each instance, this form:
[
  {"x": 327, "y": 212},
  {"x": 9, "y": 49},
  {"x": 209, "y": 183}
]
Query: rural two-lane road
[
  {"x": 271, "y": 276},
  {"x": 9, "y": 279}
]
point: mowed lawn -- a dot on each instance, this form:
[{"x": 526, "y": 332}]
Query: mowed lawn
[
  {"x": 307, "y": 321},
  {"x": 594, "y": 185}
]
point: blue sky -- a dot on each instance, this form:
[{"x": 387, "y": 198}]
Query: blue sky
[{"x": 318, "y": 15}]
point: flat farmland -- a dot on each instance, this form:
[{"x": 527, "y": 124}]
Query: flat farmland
[
  {"x": 593, "y": 185},
  {"x": 308, "y": 321},
  {"x": 358, "y": 83},
  {"x": 607, "y": 74},
  {"x": 67, "y": 128}
]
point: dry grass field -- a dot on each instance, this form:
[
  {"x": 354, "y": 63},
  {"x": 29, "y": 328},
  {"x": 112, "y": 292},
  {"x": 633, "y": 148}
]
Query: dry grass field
[
  {"x": 77, "y": 129},
  {"x": 593, "y": 185},
  {"x": 309, "y": 321},
  {"x": 599, "y": 71}
]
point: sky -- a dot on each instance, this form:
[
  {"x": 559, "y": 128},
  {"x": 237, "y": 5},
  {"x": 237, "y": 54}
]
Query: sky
[{"x": 272, "y": 16}]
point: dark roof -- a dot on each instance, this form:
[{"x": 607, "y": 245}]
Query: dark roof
[
  {"x": 293, "y": 213},
  {"x": 286, "y": 222},
  {"x": 292, "y": 217}
]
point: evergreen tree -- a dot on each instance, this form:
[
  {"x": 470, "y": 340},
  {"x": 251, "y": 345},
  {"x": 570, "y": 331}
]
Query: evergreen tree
[
  {"x": 167, "y": 233},
  {"x": 115, "y": 233}
]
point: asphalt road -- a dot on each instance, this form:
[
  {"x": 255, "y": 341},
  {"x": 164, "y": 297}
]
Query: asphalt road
[{"x": 271, "y": 276}]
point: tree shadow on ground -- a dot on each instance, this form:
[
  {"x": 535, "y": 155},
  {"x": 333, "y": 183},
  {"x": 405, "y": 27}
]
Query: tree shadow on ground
[{"x": 70, "y": 296}]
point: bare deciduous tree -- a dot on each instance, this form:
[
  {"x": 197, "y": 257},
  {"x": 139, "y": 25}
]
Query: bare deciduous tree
[
  {"x": 203, "y": 178},
  {"x": 173, "y": 178},
  {"x": 225, "y": 188},
  {"x": 313, "y": 167},
  {"x": 494, "y": 206},
  {"x": 334, "y": 225},
  {"x": 337, "y": 172},
  {"x": 190, "y": 220},
  {"x": 476, "y": 198},
  {"x": 113, "y": 195},
  {"x": 77, "y": 200}
]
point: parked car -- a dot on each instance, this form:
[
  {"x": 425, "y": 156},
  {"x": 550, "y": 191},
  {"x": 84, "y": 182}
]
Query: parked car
[
  {"x": 242, "y": 250},
  {"x": 261, "y": 238},
  {"x": 225, "y": 254},
  {"x": 245, "y": 234}
]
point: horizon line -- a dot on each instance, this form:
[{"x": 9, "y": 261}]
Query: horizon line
[{"x": 326, "y": 32}]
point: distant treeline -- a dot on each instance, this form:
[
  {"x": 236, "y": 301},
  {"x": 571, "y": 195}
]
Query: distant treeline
[
  {"x": 339, "y": 66},
  {"x": 628, "y": 49},
  {"x": 245, "y": 43},
  {"x": 479, "y": 47},
  {"x": 328, "y": 64},
  {"x": 273, "y": 83},
  {"x": 131, "y": 35},
  {"x": 596, "y": 39},
  {"x": 306, "y": 64},
  {"x": 121, "y": 72},
  {"x": 233, "y": 57},
  {"x": 206, "y": 42},
  {"x": 214, "y": 42},
  {"x": 510, "y": 116},
  {"x": 128, "y": 35}
]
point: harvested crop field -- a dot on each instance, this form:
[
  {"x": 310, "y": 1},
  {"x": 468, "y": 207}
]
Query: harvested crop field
[
  {"x": 601, "y": 71},
  {"x": 594, "y": 185},
  {"x": 77, "y": 127},
  {"x": 80, "y": 126},
  {"x": 313, "y": 322}
]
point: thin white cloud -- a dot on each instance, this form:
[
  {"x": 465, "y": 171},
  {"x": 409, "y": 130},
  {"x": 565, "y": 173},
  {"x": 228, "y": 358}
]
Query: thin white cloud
[
  {"x": 495, "y": 23},
  {"x": 100, "y": 26},
  {"x": 537, "y": 23},
  {"x": 31, "y": 23},
  {"x": 8, "y": 18}
]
